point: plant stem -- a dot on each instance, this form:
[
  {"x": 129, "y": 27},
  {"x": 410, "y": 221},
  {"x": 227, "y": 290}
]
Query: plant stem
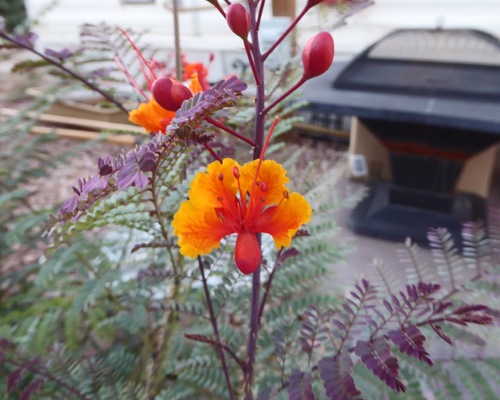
[
  {"x": 284, "y": 95},
  {"x": 229, "y": 130},
  {"x": 250, "y": 60},
  {"x": 258, "y": 139},
  {"x": 90, "y": 85},
  {"x": 268, "y": 286},
  {"x": 213, "y": 320},
  {"x": 212, "y": 151},
  {"x": 285, "y": 34}
]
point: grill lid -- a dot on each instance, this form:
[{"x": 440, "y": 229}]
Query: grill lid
[{"x": 441, "y": 63}]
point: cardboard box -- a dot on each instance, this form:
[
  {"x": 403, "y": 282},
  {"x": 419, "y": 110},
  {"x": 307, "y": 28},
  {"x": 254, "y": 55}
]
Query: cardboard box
[{"x": 464, "y": 160}]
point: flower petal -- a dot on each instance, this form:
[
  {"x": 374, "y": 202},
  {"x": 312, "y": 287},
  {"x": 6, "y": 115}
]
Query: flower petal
[
  {"x": 207, "y": 189},
  {"x": 151, "y": 116},
  {"x": 199, "y": 229},
  {"x": 272, "y": 174},
  {"x": 289, "y": 216}
]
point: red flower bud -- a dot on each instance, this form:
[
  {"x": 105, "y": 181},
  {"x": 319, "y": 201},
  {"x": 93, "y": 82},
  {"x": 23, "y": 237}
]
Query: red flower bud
[
  {"x": 169, "y": 93},
  {"x": 238, "y": 20},
  {"x": 247, "y": 251},
  {"x": 317, "y": 55}
]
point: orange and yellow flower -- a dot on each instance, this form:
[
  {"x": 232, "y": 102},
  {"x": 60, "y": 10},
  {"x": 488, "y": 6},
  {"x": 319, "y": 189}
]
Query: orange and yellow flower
[
  {"x": 151, "y": 116},
  {"x": 154, "y": 118},
  {"x": 228, "y": 199}
]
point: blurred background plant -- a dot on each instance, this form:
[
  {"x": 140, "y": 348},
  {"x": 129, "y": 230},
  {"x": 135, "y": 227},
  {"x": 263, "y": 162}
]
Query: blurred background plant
[{"x": 112, "y": 311}]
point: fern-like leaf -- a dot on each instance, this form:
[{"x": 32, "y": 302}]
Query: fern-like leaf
[
  {"x": 336, "y": 374},
  {"x": 376, "y": 355}
]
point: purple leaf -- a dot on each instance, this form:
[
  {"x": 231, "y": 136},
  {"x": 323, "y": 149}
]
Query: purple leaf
[
  {"x": 61, "y": 55},
  {"x": 376, "y": 356},
  {"x": 28, "y": 39},
  {"x": 13, "y": 379},
  {"x": 30, "y": 389},
  {"x": 410, "y": 341},
  {"x": 336, "y": 374},
  {"x": 300, "y": 386}
]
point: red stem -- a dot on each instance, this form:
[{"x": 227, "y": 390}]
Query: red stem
[
  {"x": 285, "y": 34},
  {"x": 260, "y": 13},
  {"x": 213, "y": 320},
  {"x": 258, "y": 139},
  {"x": 284, "y": 95},
  {"x": 209, "y": 148},
  {"x": 252, "y": 64},
  {"x": 229, "y": 130}
]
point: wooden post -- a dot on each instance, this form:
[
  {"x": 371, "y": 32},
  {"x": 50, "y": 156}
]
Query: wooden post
[{"x": 286, "y": 8}]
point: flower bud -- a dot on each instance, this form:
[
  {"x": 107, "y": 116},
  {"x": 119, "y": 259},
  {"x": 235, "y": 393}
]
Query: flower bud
[
  {"x": 247, "y": 252},
  {"x": 238, "y": 20},
  {"x": 317, "y": 55},
  {"x": 170, "y": 94}
]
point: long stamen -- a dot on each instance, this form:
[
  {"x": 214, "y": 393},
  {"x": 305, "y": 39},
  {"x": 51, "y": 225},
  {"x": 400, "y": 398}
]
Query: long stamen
[
  {"x": 129, "y": 77},
  {"x": 243, "y": 200},
  {"x": 262, "y": 154},
  {"x": 141, "y": 57}
]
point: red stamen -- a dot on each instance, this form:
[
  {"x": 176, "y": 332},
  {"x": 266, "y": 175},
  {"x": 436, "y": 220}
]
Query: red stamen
[
  {"x": 129, "y": 77},
  {"x": 141, "y": 57},
  {"x": 250, "y": 202}
]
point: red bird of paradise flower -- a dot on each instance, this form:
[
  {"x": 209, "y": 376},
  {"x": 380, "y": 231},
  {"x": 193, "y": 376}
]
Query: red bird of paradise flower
[
  {"x": 150, "y": 115},
  {"x": 229, "y": 198}
]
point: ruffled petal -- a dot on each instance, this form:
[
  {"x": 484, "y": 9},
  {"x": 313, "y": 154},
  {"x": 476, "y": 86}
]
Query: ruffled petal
[
  {"x": 151, "y": 116},
  {"x": 287, "y": 219},
  {"x": 199, "y": 229},
  {"x": 271, "y": 174},
  {"x": 194, "y": 84},
  {"x": 207, "y": 189}
]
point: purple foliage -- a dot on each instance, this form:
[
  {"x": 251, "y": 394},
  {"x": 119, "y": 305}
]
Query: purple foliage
[
  {"x": 27, "y": 39},
  {"x": 376, "y": 355},
  {"x": 410, "y": 341},
  {"x": 336, "y": 374},
  {"x": 300, "y": 386},
  {"x": 61, "y": 55},
  {"x": 31, "y": 389},
  {"x": 314, "y": 329},
  {"x": 114, "y": 174},
  {"x": 188, "y": 118}
]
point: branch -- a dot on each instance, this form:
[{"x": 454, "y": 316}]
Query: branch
[
  {"x": 90, "y": 85},
  {"x": 229, "y": 130},
  {"x": 285, "y": 34},
  {"x": 213, "y": 320}
]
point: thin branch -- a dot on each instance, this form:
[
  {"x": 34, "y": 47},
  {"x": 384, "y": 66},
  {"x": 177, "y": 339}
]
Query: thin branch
[
  {"x": 284, "y": 95},
  {"x": 229, "y": 130},
  {"x": 268, "y": 286},
  {"x": 212, "y": 151},
  {"x": 90, "y": 85},
  {"x": 213, "y": 320},
  {"x": 285, "y": 34},
  {"x": 252, "y": 63},
  {"x": 260, "y": 13}
]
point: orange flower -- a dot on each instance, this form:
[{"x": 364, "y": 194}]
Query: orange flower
[
  {"x": 155, "y": 118},
  {"x": 244, "y": 200},
  {"x": 151, "y": 116}
]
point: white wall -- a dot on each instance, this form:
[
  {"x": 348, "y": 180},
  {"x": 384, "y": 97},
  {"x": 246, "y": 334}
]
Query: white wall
[{"x": 205, "y": 31}]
